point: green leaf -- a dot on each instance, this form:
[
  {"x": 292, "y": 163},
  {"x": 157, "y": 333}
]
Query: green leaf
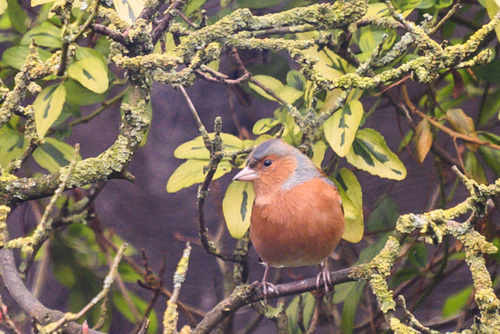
[
  {"x": 351, "y": 306},
  {"x": 296, "y": 80},
  {"x": 456, "y": 302},
  {"x": 17, "y": 16},
  {"x": 54, "y": 154},
  {"x": 82, "y": 53},
  {"x": 405, "y": 141},
  {"x": 384, "y": 216},
  {"x": 424, "y": 4},
  {"x": 191, "y": 172},
  {"x": 406, "y": 4},
  {"x": 16, "y": 56},
  {"x": 490, "y": 108},
  {"x": 257, "y": 4},
  {"x": 195, "y": 149},
  {"x": 473, "y": 168},
  {"x": 340, "y": 129},
  {"x": 128, "y": 273},
  {"x": 487, "y": 71},
  {"x": 443, "y": 3},
  {"x": 352, "y": 201},
  {"x": 237, "y": 207},
  {"x": 403, "y": 275},
  {"x": 370, "y": 153},
  {"x": 91, "y": 73},
  {"x": 79, "y": 95},
  {"x": 46, "y": 34},
  {"x": 490, "y": 155},
  {"x": 417, "y": 255},
  {"x": 423, "y": 139},
  {"x": 12, "y": 145},
  {"x": 141, "y": 305},
  {"x": 65, "y": 274},
  {"x": 306, "y": 302},
  {"x": 193, "y": 5},
  {"x": 48, "y": 106}
]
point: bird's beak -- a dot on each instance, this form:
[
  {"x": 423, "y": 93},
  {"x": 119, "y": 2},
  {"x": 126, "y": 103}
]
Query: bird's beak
[{"x": 246, "y": 174}]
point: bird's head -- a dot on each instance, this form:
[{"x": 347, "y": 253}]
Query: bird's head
[{"x": 276, "y": 165}]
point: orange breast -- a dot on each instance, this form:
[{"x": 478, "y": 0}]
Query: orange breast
[{"x": 298, "y": 227}]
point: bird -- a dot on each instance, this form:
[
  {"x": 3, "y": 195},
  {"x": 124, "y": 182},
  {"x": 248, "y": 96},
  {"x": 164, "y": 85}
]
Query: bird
[{"x": 297, "y": 216}]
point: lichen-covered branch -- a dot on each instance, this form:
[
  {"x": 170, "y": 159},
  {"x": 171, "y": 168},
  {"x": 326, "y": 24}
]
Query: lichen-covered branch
[
  {"x": 171, "y": 316},
  {"x": 108, "y": 281},
  {"x": 109, "y": 164},
  {"x": 33, "y": 69},
  {"x": 433, "y": 226}
]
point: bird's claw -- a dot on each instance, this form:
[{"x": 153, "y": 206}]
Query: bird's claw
[
  {"x": 265, "y": 285},
  {"x": 324, "y": 275}
]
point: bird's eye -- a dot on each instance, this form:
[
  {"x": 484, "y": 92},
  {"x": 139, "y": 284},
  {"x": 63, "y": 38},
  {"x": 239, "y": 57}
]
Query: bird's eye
[{"x": 267, "y": 162}]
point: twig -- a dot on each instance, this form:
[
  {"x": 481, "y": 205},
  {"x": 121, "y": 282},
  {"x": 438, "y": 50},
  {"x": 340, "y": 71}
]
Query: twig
[
  {"x": 41, "y": 232},
  {"x": 164, "y": 22},
  {"x": 450, "y": 132},
  {"x": 114, "y": 35},
  {"x": 170, "y": 316},
  {"x": 448, "y": 14},
  {"x": 108, "y": 281},
  {"x": 188, "y": 21},
  {"x": 102, "y": 108},
  {"x": 6, "y": 319},
  {"x": 87, "y": 23},
  {"x": 246, "y": 294},
  {"x": 214, "y": 146},
  {"x": 315, "y": 316}
]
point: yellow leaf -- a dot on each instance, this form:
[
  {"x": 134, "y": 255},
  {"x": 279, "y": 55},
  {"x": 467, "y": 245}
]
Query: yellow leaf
[
  {"x": 128, "y": 10},
  {"x": 318, "y": 153},
  {"x": 269, "y": 82},
  {"x": 263, "y": 125},
  {"x": 329, "y": 64},
  {"x": 48, "y": 106},
  {"x": 340, "y": 129},
  {"x": 191, "y": 172},
  {"x": 423, "y": 139},
  {"x": 352, "y": 202},
  {"x": 12, "y": 145},
  {"x": 370, "y": 153},
  {"x": 237, "y": 207},
  {"x": 54, "y": 154},
  {"x": 492, "y": 7},
  {"x": 195, "y": 149},
  {"x": 91, "y": 73},
  {"x": 464, "y": 124}
]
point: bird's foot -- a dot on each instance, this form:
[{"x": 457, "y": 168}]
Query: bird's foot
[
  {"x": 324, "y": 275},
  {"x": 266, "y": 285}
]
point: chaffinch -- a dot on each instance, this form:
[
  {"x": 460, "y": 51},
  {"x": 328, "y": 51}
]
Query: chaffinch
[{"x": 297, "y": 216}]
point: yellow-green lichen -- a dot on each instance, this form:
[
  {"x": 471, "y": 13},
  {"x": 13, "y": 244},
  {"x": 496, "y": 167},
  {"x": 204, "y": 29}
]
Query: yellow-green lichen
[{"x": 399, "y": 328}]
